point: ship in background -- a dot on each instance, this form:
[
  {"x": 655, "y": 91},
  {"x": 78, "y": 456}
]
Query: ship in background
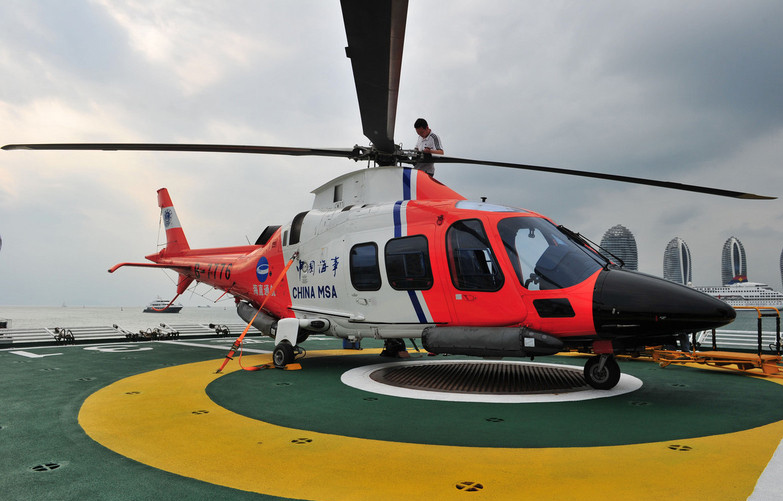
[
  {"x": 740, "y": 292},
  {"x": 159, "y": 306}
]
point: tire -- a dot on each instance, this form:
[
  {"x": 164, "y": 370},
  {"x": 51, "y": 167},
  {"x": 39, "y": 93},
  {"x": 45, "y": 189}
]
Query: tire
[
  {"x": 392, "y": 347},
  {"x": 605, "y": 379},
  {"x": 283, "y": 354}
]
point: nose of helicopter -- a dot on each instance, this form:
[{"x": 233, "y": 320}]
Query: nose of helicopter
[{"x": 627, "y": 303}]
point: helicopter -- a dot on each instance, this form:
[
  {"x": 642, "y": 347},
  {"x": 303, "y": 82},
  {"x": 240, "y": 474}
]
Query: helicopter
[{"x": 390, "y": 253}]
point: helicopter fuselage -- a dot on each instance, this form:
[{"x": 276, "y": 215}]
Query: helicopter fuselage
[{"x": 425, "y": 262}]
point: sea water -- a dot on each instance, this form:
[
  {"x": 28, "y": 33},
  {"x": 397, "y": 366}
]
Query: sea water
[
  {"x": 129, "y": 318},
  {"x": 133, "y": 318}
]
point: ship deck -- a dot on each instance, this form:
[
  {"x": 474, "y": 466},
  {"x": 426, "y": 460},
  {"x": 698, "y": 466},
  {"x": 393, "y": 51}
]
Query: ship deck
[{"x": 152, "y": 419}]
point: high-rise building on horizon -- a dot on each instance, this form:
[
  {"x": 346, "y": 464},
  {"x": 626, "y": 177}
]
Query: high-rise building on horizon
[
  {"x": 781, "y": 267},
  {"x": 677, "y": 263},
  {"x": 620, "y": 241},
  {"x": 733, "y": 262}
]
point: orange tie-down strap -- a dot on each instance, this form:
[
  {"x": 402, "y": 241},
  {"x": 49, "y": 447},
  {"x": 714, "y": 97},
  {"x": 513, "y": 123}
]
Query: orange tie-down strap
[{"x": 238, "y": 343}]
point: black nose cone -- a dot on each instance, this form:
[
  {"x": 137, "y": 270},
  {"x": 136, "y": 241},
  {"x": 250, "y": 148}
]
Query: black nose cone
[{"x": 627, "y": 303}]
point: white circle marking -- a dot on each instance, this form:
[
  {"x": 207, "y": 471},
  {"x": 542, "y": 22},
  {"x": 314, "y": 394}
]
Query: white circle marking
[{"x": 360, "y": 379}]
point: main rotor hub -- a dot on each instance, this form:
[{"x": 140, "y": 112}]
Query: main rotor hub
[{"x": 385, "y": 158}]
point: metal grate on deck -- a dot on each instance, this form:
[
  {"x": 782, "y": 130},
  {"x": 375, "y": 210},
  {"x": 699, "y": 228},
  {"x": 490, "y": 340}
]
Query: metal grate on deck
[{"x": 483, "y": 377}]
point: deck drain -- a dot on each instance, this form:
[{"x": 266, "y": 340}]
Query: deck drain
[
  {"x": 495, "y": 419},
  {"x": 486, "y": 378},
  {"x": 86, "y": 379},
  {"x": 132, "y": 392},
  {"x": 680, "y": 448},
  {"x": 469, "y": 486},
  {"x": 301, "y": 440},
  {"x": 45, "y": 467},
  {"x": 198, "y": 413}
]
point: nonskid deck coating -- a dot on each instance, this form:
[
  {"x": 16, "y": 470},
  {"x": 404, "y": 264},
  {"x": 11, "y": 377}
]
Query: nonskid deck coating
[
  {"x": 671, "y": 405},
  {"x": 40, "y": 426}
]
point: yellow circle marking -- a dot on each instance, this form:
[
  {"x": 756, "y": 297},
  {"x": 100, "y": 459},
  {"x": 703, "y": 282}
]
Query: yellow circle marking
[{"x": 158, "y": 418}]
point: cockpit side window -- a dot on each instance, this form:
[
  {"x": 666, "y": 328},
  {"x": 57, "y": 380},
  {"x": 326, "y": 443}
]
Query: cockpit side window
[
  {"x": 472, "y": 262},
  {"x": 543, "y": 257}
]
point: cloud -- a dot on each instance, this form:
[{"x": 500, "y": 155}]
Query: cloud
[{"x": 682, "y": 92}]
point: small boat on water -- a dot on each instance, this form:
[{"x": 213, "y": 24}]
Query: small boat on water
[{"x": 159, "y": 306}]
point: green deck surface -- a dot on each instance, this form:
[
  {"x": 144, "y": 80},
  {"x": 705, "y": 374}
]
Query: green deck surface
[
  {"x": 674, "y": 403},
  {"x": 41, "y": 398}
]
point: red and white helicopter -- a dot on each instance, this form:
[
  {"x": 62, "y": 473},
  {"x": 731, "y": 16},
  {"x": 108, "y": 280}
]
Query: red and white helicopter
[{"x": 390, "y": 253}]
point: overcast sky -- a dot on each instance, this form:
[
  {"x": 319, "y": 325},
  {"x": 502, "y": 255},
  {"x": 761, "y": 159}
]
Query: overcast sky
[{"x": 683, "y": 91}]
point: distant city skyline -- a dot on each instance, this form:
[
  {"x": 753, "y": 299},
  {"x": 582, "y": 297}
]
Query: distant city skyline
[
  {"x": 677, "y": 262},
  {"x": 620, "y": 242},
  {"x": 677, "y": 259}
]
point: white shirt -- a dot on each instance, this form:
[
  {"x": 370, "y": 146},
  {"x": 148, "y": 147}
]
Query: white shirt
[{"x": 432, "y": 141}]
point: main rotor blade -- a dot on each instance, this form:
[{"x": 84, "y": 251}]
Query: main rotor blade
[
  {"x": 376, "y": 32},
  {"x": 204, "y": 148},
  {"x": 610, "y": 177},
  {"x": 362, "y": 153}
]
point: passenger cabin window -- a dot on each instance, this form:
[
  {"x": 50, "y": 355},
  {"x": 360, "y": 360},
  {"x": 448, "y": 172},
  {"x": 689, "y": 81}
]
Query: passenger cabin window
[
  {"x": 472, "y": 263},
  {"x": 365, "y": 272},
  {"x": 408, "y": 263},
  {"x": 543, "y": 257}
]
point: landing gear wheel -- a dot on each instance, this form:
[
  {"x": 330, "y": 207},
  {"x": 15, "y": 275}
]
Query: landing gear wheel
[
  {"x": 283, "y": 354},
  {"x": 392, "y": 347},
  {"x": 602, "y": 376}
]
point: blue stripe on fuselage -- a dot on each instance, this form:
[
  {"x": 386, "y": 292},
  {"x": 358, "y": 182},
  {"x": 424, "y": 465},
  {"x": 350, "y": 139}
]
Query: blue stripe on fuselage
[
  {"x": 397, "y": 219},
  {"x": 406, "y": 184},
  {"x": 417, "y": 307},
  {"x": 406, "y": 194}
]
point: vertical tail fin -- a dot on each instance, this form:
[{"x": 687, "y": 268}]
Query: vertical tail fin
[{"x": 175, "y": 237}]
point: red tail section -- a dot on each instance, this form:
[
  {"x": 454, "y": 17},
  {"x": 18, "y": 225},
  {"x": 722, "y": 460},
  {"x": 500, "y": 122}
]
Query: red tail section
[
  {"x": 175, "y": 237},
  {"x": 176, "y": 243}
]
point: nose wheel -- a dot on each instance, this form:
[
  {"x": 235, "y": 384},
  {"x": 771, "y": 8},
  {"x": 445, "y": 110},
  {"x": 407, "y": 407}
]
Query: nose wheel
[
  {"x": 283, "y": 354},
  {"x": 602, "y": 372}
]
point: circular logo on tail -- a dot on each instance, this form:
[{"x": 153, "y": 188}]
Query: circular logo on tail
[
  {"x": 167, "y": 218},
  {"x": 262, "y": 269}
]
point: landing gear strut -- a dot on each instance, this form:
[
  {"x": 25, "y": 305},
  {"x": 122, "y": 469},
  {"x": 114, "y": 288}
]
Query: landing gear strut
[{"x": 602, "y": 372}]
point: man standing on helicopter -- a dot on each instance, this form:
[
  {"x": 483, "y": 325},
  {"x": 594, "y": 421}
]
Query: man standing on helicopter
[{"x": 428, "y": 142}]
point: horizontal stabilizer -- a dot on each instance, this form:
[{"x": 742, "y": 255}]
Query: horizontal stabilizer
[{"x": 148, "y": 265}]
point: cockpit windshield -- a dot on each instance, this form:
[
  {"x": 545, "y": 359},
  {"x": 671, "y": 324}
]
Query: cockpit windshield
[{"x": 543, "y": 257}]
